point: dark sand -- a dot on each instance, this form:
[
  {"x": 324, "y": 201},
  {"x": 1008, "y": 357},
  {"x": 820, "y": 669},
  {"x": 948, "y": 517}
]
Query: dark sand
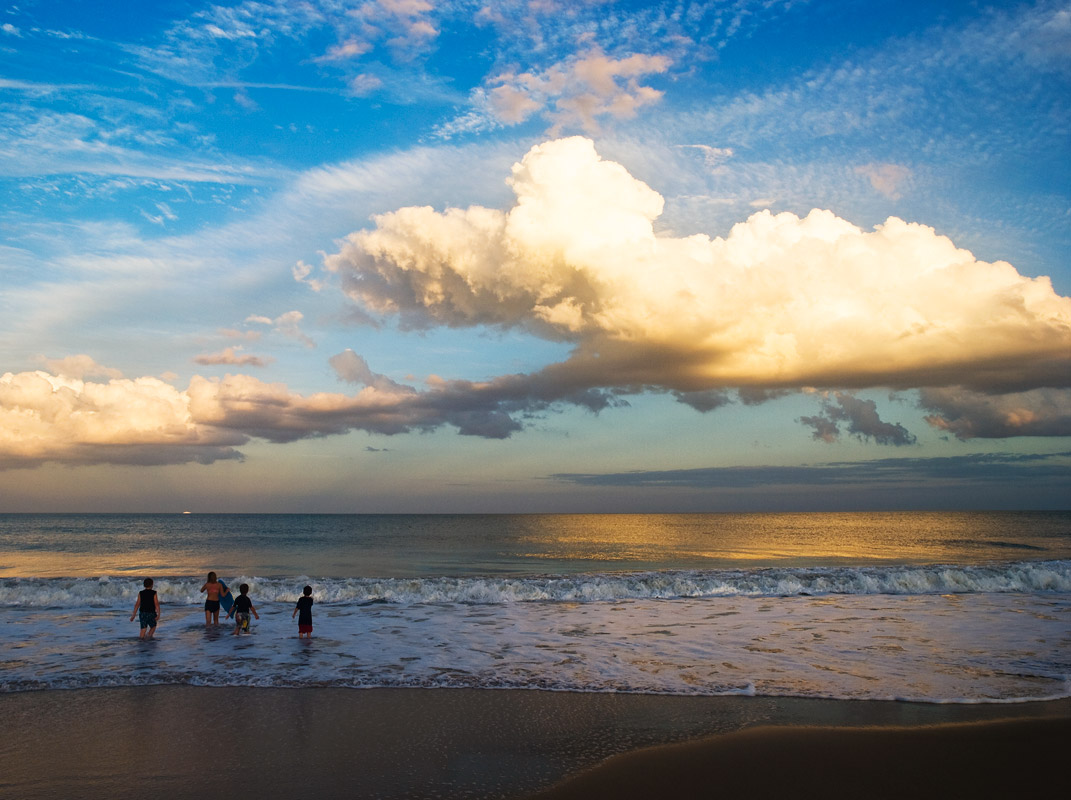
[
  {"x": 180, "y": 741},
  {"x": 1009, "y": 758}
]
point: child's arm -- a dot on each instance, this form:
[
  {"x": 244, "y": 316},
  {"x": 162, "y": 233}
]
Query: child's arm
[
  {"x": 254, "y": 610},
  {"x": 294, "y": 614},
  {"x": 156, "y": 602},
  {"x": 137, "y": 604},
  {"x": 204, "y": 588}
]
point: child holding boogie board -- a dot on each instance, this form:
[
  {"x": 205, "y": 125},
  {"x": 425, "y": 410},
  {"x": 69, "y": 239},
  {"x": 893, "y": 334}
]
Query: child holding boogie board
[
  {"x": 217, "y": 590},
  {"x": 241, "y": 607}
]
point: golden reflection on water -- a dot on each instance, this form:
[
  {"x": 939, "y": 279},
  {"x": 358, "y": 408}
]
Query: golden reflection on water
[
  {"x": 42, "y": 564},
  {"x": 137, "y": 563},
  {"x": 725, "y": 539},
  {"x": 411, "y": 545}
]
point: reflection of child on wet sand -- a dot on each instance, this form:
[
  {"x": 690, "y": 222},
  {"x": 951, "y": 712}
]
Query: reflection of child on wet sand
[
  {"x": 241, "y": 609},
  {"x": 304, "y": 605},
  {"x": 215, "y": 590},
  {"x": 147, "y": 608}
]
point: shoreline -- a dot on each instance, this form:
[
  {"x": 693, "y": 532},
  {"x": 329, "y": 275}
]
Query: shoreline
[{"x": 185, "y": 741}]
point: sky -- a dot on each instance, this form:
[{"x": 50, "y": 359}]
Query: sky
[{"x": 534, "y": 256}]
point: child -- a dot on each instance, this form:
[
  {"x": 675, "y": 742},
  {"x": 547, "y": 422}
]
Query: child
[
  {"x": 241, "y": 609},
  {"x": 304, "y": 605},
  {"x": 147, "y": 608},
  {"x": 215, "y": 590}
]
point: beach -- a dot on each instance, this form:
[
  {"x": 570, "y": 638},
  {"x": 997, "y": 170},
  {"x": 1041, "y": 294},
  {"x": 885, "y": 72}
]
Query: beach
[
  {"x": 824, "y": 655},
  {"x": 183, "y": 741}
]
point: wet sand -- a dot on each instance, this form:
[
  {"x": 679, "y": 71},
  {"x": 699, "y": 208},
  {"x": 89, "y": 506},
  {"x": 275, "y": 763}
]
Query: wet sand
[
  {"x": 181, "y": 741},
  {"x": 1008, "y": 758}
]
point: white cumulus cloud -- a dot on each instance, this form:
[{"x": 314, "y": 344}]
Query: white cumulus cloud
[
  {"x": 780, "y": 302},
  {"x": 46, "y": 417}
]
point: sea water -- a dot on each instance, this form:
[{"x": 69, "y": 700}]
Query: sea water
[{"x": 931, "y": 607}]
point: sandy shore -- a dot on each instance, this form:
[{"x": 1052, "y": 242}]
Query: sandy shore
[
  {"x": 178, "y": 741},
  {"x": 1008, "y": 758}
]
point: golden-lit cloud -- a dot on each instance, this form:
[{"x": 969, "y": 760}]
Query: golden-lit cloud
[
  {"x": 80, "y": 366},
  {"x": 780, "y": 302},
  {"x": 45, "y": 417},
  {"x": 969, "y": 415}
]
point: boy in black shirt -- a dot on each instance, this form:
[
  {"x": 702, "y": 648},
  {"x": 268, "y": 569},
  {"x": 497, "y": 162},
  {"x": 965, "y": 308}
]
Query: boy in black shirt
[
  {"x": 147, "y": 609},
  {"x": 241, "y": 609}
]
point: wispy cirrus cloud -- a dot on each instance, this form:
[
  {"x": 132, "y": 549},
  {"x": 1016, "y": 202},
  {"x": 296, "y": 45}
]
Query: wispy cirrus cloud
[
  {"x": 33, "y": 87},
  {"x": 43, "y": 142},
  {"x": 917, "y": 86},
  {"x": 216, "y": 46}
]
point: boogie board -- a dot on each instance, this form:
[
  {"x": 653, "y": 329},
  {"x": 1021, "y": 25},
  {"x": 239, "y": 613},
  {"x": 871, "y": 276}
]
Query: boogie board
[{"x": 225, "y": 600}]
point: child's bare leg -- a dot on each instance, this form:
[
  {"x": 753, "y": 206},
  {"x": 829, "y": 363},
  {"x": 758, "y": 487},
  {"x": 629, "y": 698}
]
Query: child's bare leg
[
  {"x": 152, "y": 630},
  {"x": 208, "y": 616}
]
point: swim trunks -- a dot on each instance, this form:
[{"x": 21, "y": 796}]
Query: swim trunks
[
  {"x": 242, "y": 619},
  {"x": 147, "y": 619},
  {"x": 212, "y": 605},
  {"x": 304, "y": 628}
]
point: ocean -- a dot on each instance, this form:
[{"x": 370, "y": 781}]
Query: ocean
[{"x": 927, "y": 607}]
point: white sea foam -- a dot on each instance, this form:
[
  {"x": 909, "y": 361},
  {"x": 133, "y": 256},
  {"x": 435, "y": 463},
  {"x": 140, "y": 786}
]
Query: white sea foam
[
  {"x": 109, "y": 592},
  {"x": 977, "y": 647}
]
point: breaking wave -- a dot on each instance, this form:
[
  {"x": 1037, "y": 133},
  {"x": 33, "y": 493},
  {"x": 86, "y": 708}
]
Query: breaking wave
[{"x": 107, "y": 592}]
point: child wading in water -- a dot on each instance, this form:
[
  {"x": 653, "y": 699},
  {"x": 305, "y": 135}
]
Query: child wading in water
[
  {"x": 304, "y": 622},
  {"x": 215, "y": 590},
  {"x": 241, "y": 609},
  {"x": 147, "y": 609}
]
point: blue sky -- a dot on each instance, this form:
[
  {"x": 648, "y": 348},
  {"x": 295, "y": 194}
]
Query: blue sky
[{"x": 402, "y": 255}]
